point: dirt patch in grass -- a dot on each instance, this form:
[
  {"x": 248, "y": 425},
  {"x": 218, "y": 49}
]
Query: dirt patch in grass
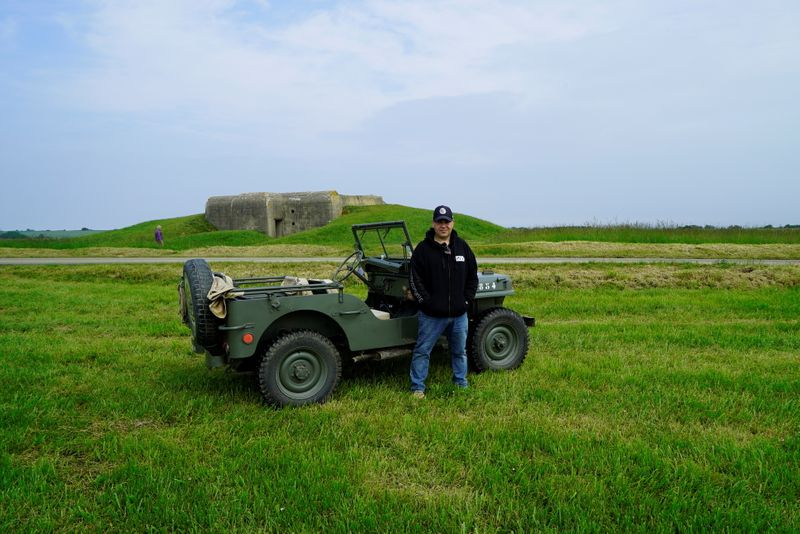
[
  {"x": 270, "y": 251},
  {"x": 592, "y": 249},
  {"x": 90, "y": 252},
  {"x": 543, "y": 249},
  {"x": 651, "y": 276},
  {"x": 524, "y": 276},
  {"x": 304, "y": 270}
]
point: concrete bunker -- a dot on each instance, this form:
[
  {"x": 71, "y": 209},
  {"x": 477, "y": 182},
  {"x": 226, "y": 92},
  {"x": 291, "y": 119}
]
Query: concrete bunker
[{"x": 281, "y": 214}]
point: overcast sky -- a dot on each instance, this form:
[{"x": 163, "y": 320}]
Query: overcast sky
[{"x": 526, "y": 113}]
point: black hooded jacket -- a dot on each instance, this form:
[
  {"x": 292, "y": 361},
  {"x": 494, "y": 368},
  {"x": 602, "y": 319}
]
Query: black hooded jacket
[{"x": 442, "y": 282}]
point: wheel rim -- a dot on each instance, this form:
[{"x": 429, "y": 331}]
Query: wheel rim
[
  {"x": 301, "y": 375},
  {"x": 501, "y": 343}
]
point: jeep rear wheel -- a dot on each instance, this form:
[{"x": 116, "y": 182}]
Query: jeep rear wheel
[
  {"x": 197, "y": 279},
  {"x": 299, "y": 368},
  {"x": 499, "y": 340}
]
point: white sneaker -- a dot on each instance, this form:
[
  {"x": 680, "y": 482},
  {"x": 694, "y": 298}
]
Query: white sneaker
[{"x": 418, "y": 394}]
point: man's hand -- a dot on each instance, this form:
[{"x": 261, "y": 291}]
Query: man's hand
[{"x": 408, "y": 295}]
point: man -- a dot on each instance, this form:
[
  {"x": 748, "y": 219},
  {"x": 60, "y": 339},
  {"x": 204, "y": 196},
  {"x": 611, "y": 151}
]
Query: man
[{"x": 444, "y": 279}]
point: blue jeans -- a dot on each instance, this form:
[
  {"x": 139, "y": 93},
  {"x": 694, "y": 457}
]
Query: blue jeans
[{"x": 428, "y": 332}]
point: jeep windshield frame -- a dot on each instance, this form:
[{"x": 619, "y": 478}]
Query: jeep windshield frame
[{"x": 388, "y": 241}]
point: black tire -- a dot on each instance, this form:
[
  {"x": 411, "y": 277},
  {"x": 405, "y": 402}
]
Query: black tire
[
  {"x": 499, "y": 340},
  {"x": 301, "y": 367},
  {"x": 197, "y": 278}
]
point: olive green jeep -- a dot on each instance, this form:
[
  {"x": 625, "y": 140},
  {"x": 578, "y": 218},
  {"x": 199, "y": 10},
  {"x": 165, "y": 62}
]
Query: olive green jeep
[{"x": 296, "y": 333}]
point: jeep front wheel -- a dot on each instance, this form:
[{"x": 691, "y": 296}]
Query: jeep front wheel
[
  {"x": 499, "y": 340},
  {"x": 299, "y": 368}
]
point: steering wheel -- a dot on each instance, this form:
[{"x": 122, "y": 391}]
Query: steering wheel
[{"x": 348, "y": 266}]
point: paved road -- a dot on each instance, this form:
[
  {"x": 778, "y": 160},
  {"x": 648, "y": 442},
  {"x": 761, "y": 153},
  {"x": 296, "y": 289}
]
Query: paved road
[{"x": 177, "y": 259}]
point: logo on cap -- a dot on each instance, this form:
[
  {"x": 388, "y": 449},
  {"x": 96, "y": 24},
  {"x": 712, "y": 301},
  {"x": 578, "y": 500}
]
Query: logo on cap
[{"x": 442, "y": 213}]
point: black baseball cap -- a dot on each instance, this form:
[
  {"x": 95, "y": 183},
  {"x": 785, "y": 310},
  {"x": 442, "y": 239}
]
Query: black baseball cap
[{"x": 443, "y": 213}]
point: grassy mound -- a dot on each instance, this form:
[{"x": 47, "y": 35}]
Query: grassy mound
[
  {"x": 338, "y": 232},
  {"x": 194, "y": 232},
  {"x": 177, "y": 231}
]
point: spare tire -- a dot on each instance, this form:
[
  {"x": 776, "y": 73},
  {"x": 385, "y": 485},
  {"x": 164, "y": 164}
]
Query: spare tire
[
  {"x": 498, "y": 341},
  {"x": 197, "y": 279}
]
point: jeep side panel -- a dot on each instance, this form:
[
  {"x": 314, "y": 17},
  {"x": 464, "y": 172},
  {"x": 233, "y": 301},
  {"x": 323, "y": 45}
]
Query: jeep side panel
[{"x": 340, "y": 317}]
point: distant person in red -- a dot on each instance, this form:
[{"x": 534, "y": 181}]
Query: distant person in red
[{"x": 159, "y": 236}]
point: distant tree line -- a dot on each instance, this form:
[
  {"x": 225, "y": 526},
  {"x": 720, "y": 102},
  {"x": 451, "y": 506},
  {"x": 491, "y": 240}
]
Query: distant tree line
[
  {"x": 41, "y": 234},
  {"x": 12, "y": 235}
]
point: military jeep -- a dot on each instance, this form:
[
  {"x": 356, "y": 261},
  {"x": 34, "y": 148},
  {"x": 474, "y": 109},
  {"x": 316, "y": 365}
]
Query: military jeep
[{"x": 296, "y": 333}]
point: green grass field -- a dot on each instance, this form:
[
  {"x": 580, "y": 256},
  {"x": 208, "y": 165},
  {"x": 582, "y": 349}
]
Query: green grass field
[
  {"x": 193, "y": 236},
  {"x": 654, "y": 398},
  {"x": 638, "y": 233}
]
